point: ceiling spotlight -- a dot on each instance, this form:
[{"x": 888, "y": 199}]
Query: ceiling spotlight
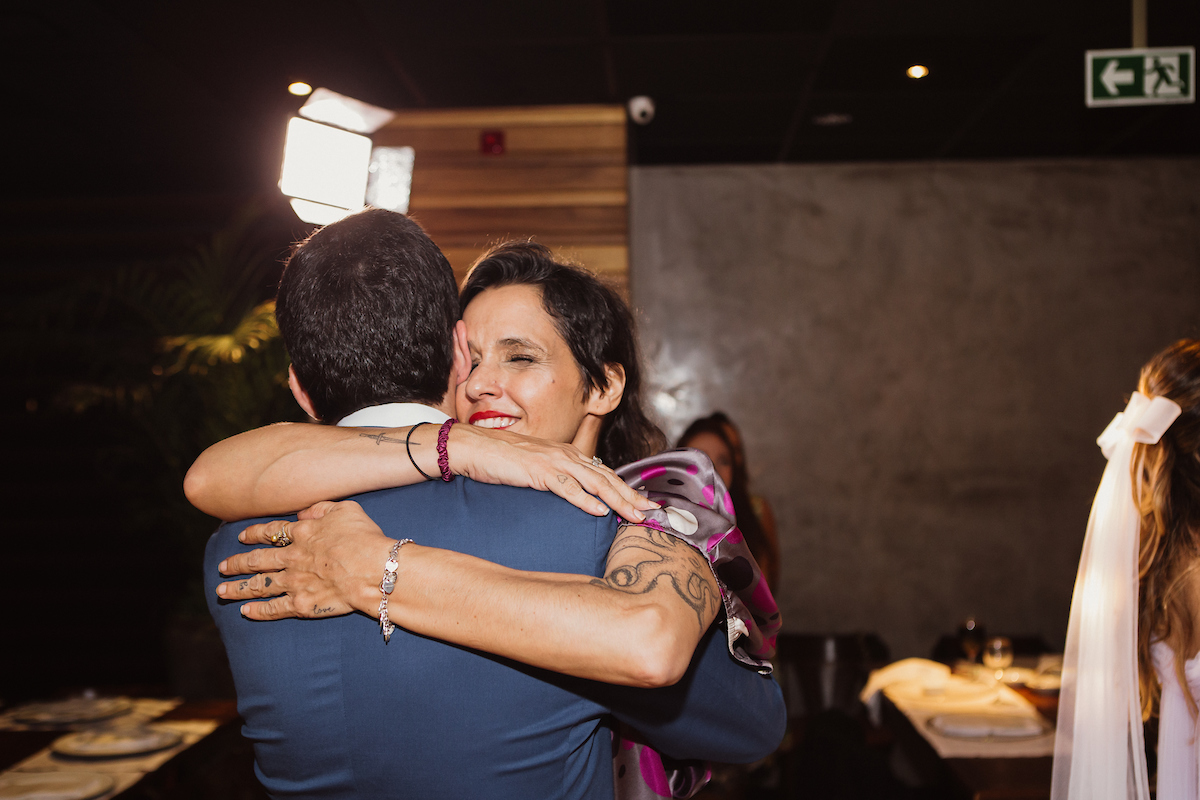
[
  {"x": 299, "y": 88},
  {"x": 833, "y": 118},
  {"x": 917, "y": 71}
]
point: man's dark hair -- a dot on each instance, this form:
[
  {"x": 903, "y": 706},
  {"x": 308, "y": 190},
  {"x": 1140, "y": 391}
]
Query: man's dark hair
[
  {"x": 597, "y": 326},
  {"x": 367, "y": 307}
]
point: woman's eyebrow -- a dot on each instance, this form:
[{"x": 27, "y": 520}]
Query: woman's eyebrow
[{"x": 523, "y": 344}]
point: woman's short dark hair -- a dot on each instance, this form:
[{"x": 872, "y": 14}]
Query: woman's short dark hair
[
  {"x": 367, "y": 307},
  {"x": 595, "y": 323}
]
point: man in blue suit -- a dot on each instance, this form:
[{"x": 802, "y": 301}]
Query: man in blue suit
[{"x": 368, "y": 307}]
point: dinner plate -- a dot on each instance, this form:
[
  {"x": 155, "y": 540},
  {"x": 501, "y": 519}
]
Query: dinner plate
[
  {"x": 53, "y": 785},
  {"x": 75, "y": 709},
  {"x": 956, "y": 689},
  {"x": 989, "y": 727},
  {"x": 116, "y": 742}
]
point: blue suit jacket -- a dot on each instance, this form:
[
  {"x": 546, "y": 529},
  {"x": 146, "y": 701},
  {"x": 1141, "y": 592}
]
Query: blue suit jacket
[{"x": 333, "y": 712}]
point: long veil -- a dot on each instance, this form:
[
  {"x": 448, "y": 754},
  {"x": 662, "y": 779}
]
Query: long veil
[{"x": 1099, "y": 752}]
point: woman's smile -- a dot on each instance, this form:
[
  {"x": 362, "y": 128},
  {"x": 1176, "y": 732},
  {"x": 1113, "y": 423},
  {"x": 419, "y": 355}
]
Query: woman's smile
[{"x": 492, "y": 419}]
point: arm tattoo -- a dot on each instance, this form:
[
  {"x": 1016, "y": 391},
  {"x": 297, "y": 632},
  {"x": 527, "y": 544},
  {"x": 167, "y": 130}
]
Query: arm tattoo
[
  {"x": 380, "y": 438},
  {"x": 653, "y": 557}
]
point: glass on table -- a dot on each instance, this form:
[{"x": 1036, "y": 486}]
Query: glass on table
[{"x": 998, "y": 655}]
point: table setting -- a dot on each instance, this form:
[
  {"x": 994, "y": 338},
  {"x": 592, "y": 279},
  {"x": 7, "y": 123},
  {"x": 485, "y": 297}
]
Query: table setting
[
  {"x": 990, "y": 710},
  {"x": 107, "y": 745}
]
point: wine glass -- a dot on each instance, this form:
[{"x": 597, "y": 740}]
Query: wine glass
[
  {"x": 970, "y": 638},
  {"x": 998, "y": 655}
]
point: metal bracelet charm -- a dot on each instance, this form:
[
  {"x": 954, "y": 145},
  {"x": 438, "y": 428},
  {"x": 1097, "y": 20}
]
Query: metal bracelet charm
[{"x": 386, "y": 586}]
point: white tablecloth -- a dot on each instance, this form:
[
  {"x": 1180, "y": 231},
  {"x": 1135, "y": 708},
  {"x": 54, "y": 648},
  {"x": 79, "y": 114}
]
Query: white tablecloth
[{"x": 898, "y": 680}]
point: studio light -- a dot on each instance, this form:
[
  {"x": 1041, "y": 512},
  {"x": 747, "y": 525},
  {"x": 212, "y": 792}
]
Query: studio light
[
  {"x": 332, "y": 108},
  {"x": 389, "y": 178},
  {"x": 324, "y": 170},
  {"x": 329, "y": 166},
  {"x": 299, "y": 88}
]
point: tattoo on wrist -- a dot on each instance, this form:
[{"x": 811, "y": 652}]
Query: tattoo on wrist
[
  {"x": 656, "y": 558},
  {"x": 320, "y": 611},
  {"x": 380, "y": 438}
]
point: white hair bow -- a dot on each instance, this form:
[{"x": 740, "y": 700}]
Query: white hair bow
[{"x": 1144, "y": 420}]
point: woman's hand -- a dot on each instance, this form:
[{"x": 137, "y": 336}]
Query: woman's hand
[
  {"x": 500, "y": 457},
  {"x": 332, "y": 567}
]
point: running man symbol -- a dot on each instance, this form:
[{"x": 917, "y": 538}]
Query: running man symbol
[{"x": 1161, "y": 77}]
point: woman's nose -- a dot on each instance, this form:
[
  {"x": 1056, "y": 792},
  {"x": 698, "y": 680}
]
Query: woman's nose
[{"x": 482, "y": 382}]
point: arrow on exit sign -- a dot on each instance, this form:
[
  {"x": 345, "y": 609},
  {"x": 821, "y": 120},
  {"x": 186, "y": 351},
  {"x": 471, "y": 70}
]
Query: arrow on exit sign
[{"x": 1140, "y": 77}]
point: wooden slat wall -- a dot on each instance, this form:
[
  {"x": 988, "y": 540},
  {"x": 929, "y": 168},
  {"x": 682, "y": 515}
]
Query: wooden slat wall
[{"x": 561, "y": 180}]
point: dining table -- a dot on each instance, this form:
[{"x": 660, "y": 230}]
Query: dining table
[
  {"x": 968, "y": 733},
  {"x": 132, "y": 748}
]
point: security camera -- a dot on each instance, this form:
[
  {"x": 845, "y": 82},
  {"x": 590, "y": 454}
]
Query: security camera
[{"x": 641, "y": 109}]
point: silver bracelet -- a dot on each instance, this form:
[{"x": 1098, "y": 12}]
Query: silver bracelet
[{"x": 386, "y": 586}]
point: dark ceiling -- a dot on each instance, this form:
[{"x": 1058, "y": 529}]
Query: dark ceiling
[{"x": 148, "y": 97}]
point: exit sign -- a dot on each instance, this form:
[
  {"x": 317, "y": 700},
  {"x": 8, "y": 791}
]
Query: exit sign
[{"x": 1141, "y": 77}]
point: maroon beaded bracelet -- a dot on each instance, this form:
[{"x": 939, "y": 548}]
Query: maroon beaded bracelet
[{"x": 443, "y": 456}]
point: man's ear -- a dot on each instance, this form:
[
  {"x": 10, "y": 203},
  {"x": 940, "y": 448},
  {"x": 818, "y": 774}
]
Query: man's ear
[
  {"x": 462, "y": 353},
  {"x": 604, "y": 402},
  {"x": 300, "y": 394}
]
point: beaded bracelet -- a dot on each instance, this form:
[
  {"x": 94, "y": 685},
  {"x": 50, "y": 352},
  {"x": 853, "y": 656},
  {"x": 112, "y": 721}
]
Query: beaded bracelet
[
  {"x": 386, "y": 586},
  {"x": 443, "y": 456}
]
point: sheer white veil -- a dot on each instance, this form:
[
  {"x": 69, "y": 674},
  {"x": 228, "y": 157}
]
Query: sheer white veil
[{"x": 1099, "y": 753}]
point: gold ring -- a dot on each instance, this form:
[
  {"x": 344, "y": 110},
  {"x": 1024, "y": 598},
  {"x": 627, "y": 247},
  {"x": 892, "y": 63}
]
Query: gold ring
[{"x": 281, "y": 538}]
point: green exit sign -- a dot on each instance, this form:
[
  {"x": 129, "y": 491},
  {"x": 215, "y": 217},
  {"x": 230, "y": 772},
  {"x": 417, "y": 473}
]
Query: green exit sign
[{"x": 1141, "y": 77}]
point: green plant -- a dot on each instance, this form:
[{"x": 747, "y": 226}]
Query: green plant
[{"x": 168, "y": 358}]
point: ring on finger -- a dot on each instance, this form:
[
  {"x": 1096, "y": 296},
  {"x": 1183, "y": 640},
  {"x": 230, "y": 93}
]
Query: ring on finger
[
  {"x": 281, "y": 538},
  {"x": 596, "y": 462}
]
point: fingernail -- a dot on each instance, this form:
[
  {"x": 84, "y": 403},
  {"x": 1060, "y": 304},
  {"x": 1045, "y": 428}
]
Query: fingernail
[
  {"x": 604, "y": 510},
  {"x": 221, "y": 589},
  {"x": 654, "y": 504},
  {"x": 221, "y": 567},
  {"x": 242, "y": 537},
  {"x": 242, "y": 610}
]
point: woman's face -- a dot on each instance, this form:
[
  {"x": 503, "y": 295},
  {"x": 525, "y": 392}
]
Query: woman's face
[
  {"x": 523, "y": 375},
  {"x": 715, "y": 448}
]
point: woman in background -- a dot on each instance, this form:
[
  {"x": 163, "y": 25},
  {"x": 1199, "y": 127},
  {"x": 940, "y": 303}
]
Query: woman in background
[
  {"x": 718, "y": 438},
  {"x": 1134, "y": 629}
]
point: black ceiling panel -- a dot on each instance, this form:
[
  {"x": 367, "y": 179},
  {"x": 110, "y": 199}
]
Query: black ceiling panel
[{"x": 117, "y": 97}]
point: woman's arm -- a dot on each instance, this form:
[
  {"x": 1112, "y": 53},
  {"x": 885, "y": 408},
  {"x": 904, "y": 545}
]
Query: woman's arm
[
  {"x": 637, "y": 626},
  {"x": 280, "y": 468}
]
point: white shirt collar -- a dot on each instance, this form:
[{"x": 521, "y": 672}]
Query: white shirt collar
[{"x": 392, "y": 415}]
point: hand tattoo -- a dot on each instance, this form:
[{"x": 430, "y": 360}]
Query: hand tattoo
[
  {"x": 267, "y": 581},
  {"x": 653, "y": 556},
  {"x": 319, "y": 611}
]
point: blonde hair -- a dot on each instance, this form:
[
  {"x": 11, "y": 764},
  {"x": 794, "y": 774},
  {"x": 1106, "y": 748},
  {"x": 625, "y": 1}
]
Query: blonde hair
[{"x": 1166, "y": 485}]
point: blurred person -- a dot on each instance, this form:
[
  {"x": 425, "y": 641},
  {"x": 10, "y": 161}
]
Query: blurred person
[
  {"x": 1133, "y": 634},
  {"x": 577, "y": 624},
  {"x": 718, "y": 438}
]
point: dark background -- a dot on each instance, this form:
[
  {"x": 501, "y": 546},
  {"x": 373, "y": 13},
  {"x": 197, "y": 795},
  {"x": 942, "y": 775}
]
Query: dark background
[{"x": 138, "y": 130}]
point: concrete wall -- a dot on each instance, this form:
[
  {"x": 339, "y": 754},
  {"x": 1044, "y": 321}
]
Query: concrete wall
[{"x": 921, "y": 357}]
